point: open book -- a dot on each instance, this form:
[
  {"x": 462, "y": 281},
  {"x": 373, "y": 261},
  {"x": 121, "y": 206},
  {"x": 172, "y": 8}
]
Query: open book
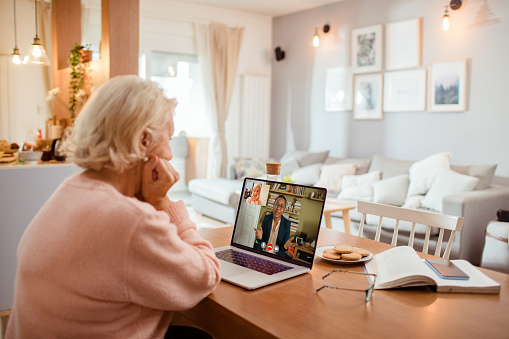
[{"x": 402, "y": 267}]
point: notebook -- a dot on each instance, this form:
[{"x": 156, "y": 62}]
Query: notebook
[{"x": 262, "y": 251}]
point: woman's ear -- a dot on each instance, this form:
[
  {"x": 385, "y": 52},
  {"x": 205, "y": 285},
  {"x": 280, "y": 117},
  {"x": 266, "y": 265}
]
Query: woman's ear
[{"x": 145, "y": 141}]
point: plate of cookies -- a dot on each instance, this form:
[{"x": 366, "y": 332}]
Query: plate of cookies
[{"x": 344, "y": 254}]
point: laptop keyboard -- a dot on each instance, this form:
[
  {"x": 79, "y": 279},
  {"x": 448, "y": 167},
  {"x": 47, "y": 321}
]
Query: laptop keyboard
[{"x": 252, "y": 262}]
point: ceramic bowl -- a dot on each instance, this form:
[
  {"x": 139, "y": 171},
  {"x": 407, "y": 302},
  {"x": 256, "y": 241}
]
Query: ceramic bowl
[{"x": 30, "y": 156}]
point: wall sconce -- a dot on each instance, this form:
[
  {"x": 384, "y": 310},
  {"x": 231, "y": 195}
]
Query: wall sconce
[
  {"x": 36, "y": 53},
  {"x": 454, "y": 5},
  {"x": 16, "y": 59},
  {"x": 316, "y": 37}
]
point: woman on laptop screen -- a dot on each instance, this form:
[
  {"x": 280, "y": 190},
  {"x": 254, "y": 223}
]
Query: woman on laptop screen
[{"x": 274, "y": 234}]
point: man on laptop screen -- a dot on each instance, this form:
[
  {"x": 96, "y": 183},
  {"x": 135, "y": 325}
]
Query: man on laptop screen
[{"x": 274, "y": 236}]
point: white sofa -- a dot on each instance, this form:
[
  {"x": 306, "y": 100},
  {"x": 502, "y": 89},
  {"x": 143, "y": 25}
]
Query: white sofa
[{"x": 219, "y": 197}]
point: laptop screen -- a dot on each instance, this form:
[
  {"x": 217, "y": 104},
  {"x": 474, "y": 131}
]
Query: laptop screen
[{"x": 279, "y": 219}]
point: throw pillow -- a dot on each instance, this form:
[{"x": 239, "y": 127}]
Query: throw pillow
[
  {"x": 485, "y": 173},
  {"x": 422, "y": 173},
  {"x": 245, "y": 167},
  {"x": 391, "y": 191},
  {"x": 362, "y": 162},
  {"x": 307, "y": 175},
  {"x": 358, "y": 187},
  {"x": 289, "y": 166},
  {"x": 447, "y": 183},
  {"x": 332, "y": 175}
]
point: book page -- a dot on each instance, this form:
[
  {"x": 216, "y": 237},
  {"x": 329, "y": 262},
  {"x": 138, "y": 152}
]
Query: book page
[{"x": 398, "y": 267}]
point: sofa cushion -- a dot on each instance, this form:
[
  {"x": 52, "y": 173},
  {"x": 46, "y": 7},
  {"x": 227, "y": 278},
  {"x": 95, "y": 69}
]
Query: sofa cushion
[
  {"x": 289, "y": 166},
  {"x": 446, "y": 183},
  {"x": 219, "y": 190},
  {"x": 307, "y": 175},
  {"x": 485, "y": 173},
  {"x": 422, "y": 173},
  {"x": 362, "y": 162},
  {"x": 391, "y": 191},
  {"x": 312, "y": 158},
  {"x": 331, "y": 176},
  {"x": 389, "y": 167}
]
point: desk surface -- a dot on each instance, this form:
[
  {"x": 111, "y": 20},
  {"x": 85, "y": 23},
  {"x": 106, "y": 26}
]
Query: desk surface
[{"x": 276, "y": 310}]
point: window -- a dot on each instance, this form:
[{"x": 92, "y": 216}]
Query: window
[{"x": 180, "y": 76}]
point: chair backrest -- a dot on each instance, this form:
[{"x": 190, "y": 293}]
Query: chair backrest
[{"x": 430, "y": 219}]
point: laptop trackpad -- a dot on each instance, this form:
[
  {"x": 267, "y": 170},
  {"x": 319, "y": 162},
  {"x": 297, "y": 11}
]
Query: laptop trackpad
[{"x": 229, "y": 270}]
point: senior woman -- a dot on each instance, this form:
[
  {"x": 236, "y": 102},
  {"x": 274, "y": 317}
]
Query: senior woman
[{"x": 109, "y": 255}]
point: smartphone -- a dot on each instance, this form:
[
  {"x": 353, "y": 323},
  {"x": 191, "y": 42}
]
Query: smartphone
[{"x": 446, "y": 269}]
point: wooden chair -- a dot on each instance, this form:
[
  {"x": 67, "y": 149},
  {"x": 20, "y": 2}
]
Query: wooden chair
[{"x": 430, "y": 219}]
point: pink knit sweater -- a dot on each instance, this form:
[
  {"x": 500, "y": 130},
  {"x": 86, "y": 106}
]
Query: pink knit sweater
[{"x": 94, "y": 263}]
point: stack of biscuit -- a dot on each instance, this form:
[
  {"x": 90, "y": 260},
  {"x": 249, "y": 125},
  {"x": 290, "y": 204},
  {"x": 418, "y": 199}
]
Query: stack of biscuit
[{"x": 345, "y": 252}]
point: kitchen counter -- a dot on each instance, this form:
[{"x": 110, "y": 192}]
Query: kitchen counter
[{"x": 23, "y": 191}]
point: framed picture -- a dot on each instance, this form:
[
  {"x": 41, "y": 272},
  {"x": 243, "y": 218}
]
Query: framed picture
[
  {"x": 338, "y": 89},
  {"x": 367, "y": 49},
  {"x": 447, "y": 86},
  {"x": 405, "y": 91},
  {"x": 368, "y": 96},
  {"x": 403, "y": 44}
]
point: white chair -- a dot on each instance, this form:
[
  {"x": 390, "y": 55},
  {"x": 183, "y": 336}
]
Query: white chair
[{"x": 430, "y": 219}]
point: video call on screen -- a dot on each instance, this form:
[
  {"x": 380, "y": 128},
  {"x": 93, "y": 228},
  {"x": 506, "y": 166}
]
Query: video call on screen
[{"x": 281, "y": 219}]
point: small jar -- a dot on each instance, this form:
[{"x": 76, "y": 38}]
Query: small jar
[{"x": 273, "y": 171}]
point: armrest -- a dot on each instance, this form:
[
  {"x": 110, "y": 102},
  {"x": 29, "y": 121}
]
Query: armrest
[{"x": 478, "y": 208}]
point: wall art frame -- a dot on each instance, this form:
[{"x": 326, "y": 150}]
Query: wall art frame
[
  {"x": 368, "y": 96},
  {"x": 338, "y": 89},
  {"x": 367, "y": 49},
  {"x": 403, "y": 47},
  {"x": 448, "y": 86},
  {"x": 405, "y": 91}
]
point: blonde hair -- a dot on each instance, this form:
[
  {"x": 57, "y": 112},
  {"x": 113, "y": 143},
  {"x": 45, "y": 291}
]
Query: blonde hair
[
  {"x": 259, "y": 186},
  {"x": 108, "y": 131}
]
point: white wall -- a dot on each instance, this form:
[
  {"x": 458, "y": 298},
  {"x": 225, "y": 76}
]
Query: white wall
[
  {"x": 477, "y": 136},
  {"x": 165, "y": 24}
]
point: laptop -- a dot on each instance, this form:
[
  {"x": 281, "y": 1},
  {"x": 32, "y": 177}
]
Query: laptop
[{"x": 275, "y": 233}]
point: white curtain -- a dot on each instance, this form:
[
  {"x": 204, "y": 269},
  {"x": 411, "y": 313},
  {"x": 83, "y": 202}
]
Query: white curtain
[{"x": 218, "y": 51}]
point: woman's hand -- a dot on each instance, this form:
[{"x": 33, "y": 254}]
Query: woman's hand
[
  {"x": 289, "y": 243},
  {"x": 158, "y": 176},
  {"x": 259, "y": 233}
]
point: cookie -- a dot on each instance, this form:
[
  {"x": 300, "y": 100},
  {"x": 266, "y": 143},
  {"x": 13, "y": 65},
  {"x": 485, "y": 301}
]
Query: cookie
[
  {"x": 343, "y": 249},
  {"x": 351, "y": 256},
  {"x": 330, "y": 250},
  {"x": 334, "y": 256},
  {"x": 361, "y": 251}
]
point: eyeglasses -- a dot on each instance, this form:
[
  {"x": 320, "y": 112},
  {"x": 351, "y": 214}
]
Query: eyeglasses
[
  {"x": 280, "y": 206},
  {"x": 368, "y": 291}
]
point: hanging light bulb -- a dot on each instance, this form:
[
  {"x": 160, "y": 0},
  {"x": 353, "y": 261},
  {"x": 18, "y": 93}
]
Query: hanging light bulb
[
  {"x": 316, "y": 38},
  {"x": 36, "y": 53},
  {"x": 16, "y": 59},
  {"x": 445, "y": 21}
]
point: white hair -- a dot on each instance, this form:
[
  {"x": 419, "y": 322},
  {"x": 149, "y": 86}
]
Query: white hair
[{"x": 108, "y": 132}]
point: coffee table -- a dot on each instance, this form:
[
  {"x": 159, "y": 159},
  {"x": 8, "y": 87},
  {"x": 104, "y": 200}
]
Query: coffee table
[{"x": 334, "y": 205}]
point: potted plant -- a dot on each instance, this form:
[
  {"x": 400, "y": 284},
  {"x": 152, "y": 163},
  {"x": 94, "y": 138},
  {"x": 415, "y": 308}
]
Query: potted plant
[{"x": 77, "y": 77}]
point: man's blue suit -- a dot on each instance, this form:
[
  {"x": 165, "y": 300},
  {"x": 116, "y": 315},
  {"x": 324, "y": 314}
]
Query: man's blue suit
[{"x": 282, "y": 236}]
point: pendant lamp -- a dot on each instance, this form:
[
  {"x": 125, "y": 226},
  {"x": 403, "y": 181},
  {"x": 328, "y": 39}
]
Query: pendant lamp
[
  {"x": 16, "y": 59},
  {"x": 36, "y": 53}
]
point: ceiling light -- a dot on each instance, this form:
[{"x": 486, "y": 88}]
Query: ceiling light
[
  {"x": 16, "y": 59},
  {"x": 316, "y": 38},
  {"x": 36, "y": 53}
]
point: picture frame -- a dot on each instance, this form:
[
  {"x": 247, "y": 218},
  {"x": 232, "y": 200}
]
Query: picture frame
[
  {"x": 405, "y": 91},
  {"x": 338, "y": 89},
  {"x": 403, "y": 44},
  {"x": 447, "y": 86},
  {"x": 367, "y": 49},
  {"x": 368, "y": 96}
]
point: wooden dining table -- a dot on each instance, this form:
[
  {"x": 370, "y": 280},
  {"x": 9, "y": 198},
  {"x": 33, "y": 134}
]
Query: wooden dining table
[{"x": 292, "y": 308}]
